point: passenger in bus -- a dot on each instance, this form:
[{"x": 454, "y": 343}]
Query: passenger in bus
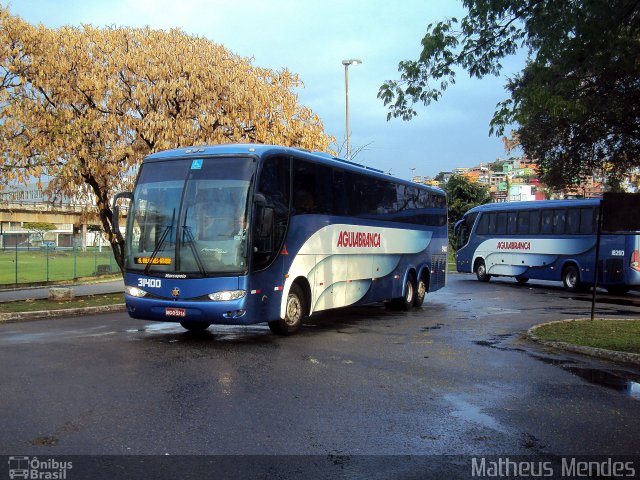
[{"x": 304, "y": 202}]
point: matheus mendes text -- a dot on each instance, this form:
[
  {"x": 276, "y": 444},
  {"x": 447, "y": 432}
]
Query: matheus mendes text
[
  {"x": 514, "y": 246},
  {"x": 358, "y": 239}
]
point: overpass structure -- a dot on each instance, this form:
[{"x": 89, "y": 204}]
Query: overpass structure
[{"x": 72, "y": 223}]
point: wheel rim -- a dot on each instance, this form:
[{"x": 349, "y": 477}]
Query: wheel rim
[
  {"x": 571, "y": 278},
  {"x": 422, "y": 289},
  {"x": 409, "y": 296},
  {"x": 481, "y": 270},
  {"x": 294, "y": 310}
]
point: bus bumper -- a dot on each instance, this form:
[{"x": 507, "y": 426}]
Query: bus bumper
[{"x": 221, "y": 313}]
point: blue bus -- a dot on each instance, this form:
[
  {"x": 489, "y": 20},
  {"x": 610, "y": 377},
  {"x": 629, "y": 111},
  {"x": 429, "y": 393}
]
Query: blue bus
[
  {"x": 243, "y": 234},
  {"x": 545, "y": 240}
]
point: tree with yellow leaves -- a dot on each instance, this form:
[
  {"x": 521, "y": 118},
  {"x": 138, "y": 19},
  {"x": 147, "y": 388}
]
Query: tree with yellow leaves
[{"x": 84, "y": 105}]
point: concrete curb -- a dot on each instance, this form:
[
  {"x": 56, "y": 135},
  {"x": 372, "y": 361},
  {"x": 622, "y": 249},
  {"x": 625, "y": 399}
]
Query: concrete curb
[
  {"x": 42, "y": 314},
  {"x": 612, "y": 355}
]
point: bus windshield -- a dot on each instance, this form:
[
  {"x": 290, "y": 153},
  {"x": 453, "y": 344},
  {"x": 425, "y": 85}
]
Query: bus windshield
[{"x": 190, "y": 216}]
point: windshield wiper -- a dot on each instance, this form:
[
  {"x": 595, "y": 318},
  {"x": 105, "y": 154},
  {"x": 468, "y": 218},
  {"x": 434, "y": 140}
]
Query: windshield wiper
[
  {"x": 190, "y": 240},
  {"x": 163, "y": 237}
]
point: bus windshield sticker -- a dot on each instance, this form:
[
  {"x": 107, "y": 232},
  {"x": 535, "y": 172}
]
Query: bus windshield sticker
[
  {"x": 196, "y": 165},
  {"x": 153, "y": 260}
]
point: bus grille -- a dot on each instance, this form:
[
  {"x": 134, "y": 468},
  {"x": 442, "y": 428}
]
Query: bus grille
[
  {"x": 438, "y": 271},
  {"x": 611, "y": 270}
]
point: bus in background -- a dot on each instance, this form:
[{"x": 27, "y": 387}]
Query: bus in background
[
  {"x": 546, "y": 240},
  {"x": 243, "y": 234}
]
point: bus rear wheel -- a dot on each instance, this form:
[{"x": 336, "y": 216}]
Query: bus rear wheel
[
  {"x": 294, "y": 314},
  {"x": 421, "y": 292},
  {"x": 481, "y": 272},
  {"x": 195, "y": 326}
]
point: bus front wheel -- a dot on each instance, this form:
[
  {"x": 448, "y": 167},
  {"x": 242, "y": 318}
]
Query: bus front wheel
[
  {"x": 406, "y": 302},
  {"x": 571, "y": 278},
  {"x": 294, "y": 314},
  {"x": 481, "y": 272},
  {"x": 408, "y": 298}
]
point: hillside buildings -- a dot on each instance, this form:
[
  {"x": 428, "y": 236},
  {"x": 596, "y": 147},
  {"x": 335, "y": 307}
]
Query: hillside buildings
[{"x": 515, "y": 179}]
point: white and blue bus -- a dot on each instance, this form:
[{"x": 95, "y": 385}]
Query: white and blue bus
[
  {"x": 243, "y": 234},
  {"x": 546, "y": 240}
]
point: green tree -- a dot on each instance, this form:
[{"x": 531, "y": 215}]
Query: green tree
[
  {"x": 83, "y": 105},
  {"x": 39, "y": 228},
  {"x": 462, "y": 195},
  {"x": 577, "y": 101}
]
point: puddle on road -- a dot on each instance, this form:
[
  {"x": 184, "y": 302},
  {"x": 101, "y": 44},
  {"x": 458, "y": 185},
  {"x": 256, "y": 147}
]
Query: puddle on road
[
  {"x": 607, "y": 379},
  {"x": 615, "y": 380},
  {"x": 468, "y": 412}
]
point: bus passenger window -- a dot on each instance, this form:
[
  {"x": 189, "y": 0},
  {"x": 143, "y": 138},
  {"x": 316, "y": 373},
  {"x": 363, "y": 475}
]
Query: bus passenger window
[
  {"x": 586, "y": 221},
  {"x": 573, "y": 221},
  {"x": 501, "y": 225},
  {"x": 304, "y": 188},
  {"x": 483, "y": 225},
  {"x": 492, "y": 223},
  {"x": 534, "y": 222},
  {"x": 547, "y": 222},
  {"x": 523, "y": 223},
  {"x": 559, "y": 220},
  {"x": 339, "y": 194},
  {"x": 512, "y": 223}
]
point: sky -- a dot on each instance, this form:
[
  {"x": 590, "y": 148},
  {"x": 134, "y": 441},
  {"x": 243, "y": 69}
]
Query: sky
[{"x": 311, "y": 38}]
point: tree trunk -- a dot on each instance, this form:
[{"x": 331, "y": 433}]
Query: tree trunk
[{"x": 105, "y": 213}]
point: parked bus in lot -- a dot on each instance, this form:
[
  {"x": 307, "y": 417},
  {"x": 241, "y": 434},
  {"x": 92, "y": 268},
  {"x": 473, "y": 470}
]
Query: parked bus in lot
[
  {"x": 243, "y": 234},
  {"x": 546, "y": 240}
]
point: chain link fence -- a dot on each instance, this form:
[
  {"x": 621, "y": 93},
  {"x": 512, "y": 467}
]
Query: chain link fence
[{"x": 25, "y": 265}]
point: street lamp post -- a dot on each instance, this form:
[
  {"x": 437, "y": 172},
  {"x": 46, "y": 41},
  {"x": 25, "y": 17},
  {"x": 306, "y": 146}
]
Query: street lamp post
[{"x": 346, "y": 63}]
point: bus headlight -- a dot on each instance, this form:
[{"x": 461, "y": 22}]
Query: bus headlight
[
  {"x": 135, "y": 292},
  {"x": 227, "y": 295}
]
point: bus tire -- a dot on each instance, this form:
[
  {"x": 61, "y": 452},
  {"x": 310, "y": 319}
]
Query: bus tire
[
  {"x": 571, "y": 278},
  {"x": 481, "y": 271},
  {"x": 294, "y": 313},
  {"x": 406, "y": 302},
  {"x": 522, "y": 280},
  {"x": 421, "y": 292},
  {"x": 195, "y": 326}
]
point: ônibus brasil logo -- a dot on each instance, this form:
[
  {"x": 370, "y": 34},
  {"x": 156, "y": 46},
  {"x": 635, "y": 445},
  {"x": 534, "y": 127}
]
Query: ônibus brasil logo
[
  {"x": 358, "y": 239},
  {"x": 33, "y": 468}
]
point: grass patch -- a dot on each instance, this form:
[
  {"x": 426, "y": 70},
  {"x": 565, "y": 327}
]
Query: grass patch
[
  {"x": 48, "y": 266},
  {"x": 78, "y": 302},
  {"x": 451, "y": 259},
  {"x": 619, "y": 335}
]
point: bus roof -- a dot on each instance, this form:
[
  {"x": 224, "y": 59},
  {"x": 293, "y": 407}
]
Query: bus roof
[
  {"x": 261, "y": 150},
  {"x": 534, "y": 205}
]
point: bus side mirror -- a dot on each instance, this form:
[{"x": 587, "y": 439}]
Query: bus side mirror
[
  {"x": 266, "y": 222},
  {"x": 264, "y": 215},
  {"x": 116, "y": 209}
]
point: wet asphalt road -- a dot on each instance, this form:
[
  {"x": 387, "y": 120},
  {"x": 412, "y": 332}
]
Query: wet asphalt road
[{"x": 455, "y": 377}]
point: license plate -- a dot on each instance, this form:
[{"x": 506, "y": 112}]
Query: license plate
[{"x": 175, "y": 312}]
